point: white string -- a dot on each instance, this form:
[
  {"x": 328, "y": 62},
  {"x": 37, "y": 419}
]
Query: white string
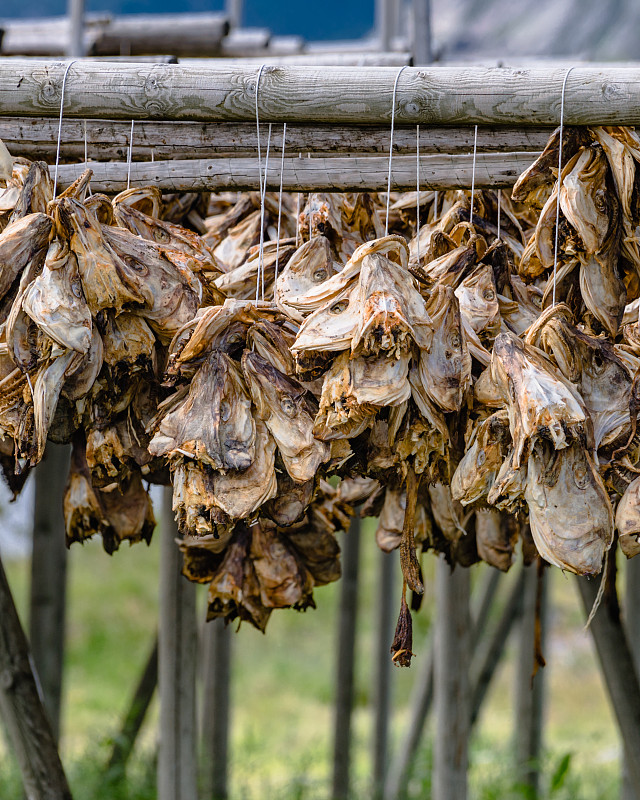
[
  {"x": 284, "y": 136},
  {"x": 259, "y": 178},
  {"x": 262, "y": 204},
  {"x": 473, "y": 172},
  {"x": 86, "y": 156},
  {"x": 435, "y": 206},
  {"x": 555, "y": 247},
  {"x": 298, "y": 215},
  {"x": 129, "y": 156},
  {"x": 64, "y": 83},
  {"x": 418, "y": 190},
  {"x": 393, "y": 121},
  {"x": 499, "y": 200}
]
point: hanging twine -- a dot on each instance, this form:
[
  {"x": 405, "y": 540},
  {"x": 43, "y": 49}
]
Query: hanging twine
[
  {"x": 393, "y": 121},
  {"x": 418, "y": 190},
  {"x": 129, "y": 155},
  {"x": 262, "y": 66},
  {"x": 473, "y": 172},
  {"x": 499, "y": 201},
  {"x": 284, "y": 136},
  {"x": 64, "y": 84},
  {"x": 555, "y": 247}
]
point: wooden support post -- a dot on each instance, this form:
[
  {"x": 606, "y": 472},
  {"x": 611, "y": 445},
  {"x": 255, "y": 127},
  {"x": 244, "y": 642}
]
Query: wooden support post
[
  {"x": 489, "y": 655},
  {"x": 346, "y": 662},
  {"x": 49, "y": 578},
  {"x": 616, "y": 662},
  {"x": 451, "y": 682},
  {"x": 421, "y": 32},
  {"x": 75, "y": 13},
  {"x": 529, "y": 695},
  {"x": 142, "y": 696},
  {"x": 422, "y": 694},
  {"x": 384, "y": 24},
  {"x": 216, "y": 706},
  {"x": 632, "y": 628},
  {"x": 177, "y": 762},
  {"x": 234, "y": 12},
  {"x": 387, "y": 603},
  {"x": 22, "y": 710}
]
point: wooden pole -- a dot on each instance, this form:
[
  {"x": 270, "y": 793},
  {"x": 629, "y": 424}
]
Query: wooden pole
[
  {"x": 75, "y": 12},
  {"x": 616, "y": 662},
  {"x": 49, "y": 578},
  {"x": 530, "y": 688},
  {"x": 126, "y": 738},
  {"x": 216, "y": 707},
  {"x": 490, "y": 651},
  {"x": 177, "y": 762},
  {"x": 109, "y": 139},
  {"x": 22, "y": 710},
  {"x": 451, "y": 683},
  {"x": 387, "y": 602},
  {"x": 443, "y": 95},
  {"x": 234, "y": 9},
  {"x": 384, "y": 24},
  {"x": 632, "y": 628},
  {"x": 340, "y": 174},
  {"x": 422, "y": 694},
  {"x": 345, "y": 690},
  {"x": 421, "y": 32}
]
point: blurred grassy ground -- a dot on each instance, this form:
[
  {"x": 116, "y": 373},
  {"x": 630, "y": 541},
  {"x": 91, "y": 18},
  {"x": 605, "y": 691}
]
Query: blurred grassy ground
[{"x": 283, "y": 687}]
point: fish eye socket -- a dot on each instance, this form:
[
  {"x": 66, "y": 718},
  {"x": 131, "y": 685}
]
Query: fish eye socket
[
  {"x": 489, "y": 294},
  {"x": 600, "y": 200},
  {"x": 598, "y": 363},
  {"x": 161, "y": 235},
  {"x": 481, "y": 458},
  {"x": 339, "y": 307},
  {"x": 225, "y": 411},
  {"x": 319, "y": 275},
  {"x": 580, "y": 474},
  {"x": 455, "y": 341},
  {"x": 76, "y": 288},
  {"x": 134, "y": 264},
  {"x": 288, "y": 406}
]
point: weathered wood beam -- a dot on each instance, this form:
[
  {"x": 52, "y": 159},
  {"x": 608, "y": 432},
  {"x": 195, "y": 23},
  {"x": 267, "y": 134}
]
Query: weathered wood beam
[
  {"x": 340, "y": 174},
  {"x": 216, "y": 708},
  {"x": 345, "y": 667},
  {"x": 362, "y": 95},
  {"x": 274, "y": 56},
  {"x": 22, "y": 710},
  {"x": 109, "y": 140},
  {"x": 616, "y": 662},
  {"x": 47, "y": 608}
]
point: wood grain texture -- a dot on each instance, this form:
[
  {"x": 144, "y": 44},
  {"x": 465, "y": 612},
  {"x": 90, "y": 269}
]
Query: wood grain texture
[
  {"x": 427, "y": 95},
  {"x": 109, "y": 139},
  {"x": 340, "y": 174},
  {"x": 22, "y": 711}
]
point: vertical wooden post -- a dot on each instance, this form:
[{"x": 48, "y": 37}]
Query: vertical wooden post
[
  {"x": 75, "y": 13},
  {"x": 216, "y": 705},
  {"x": 177, "y": 638},
  {"x": 422, "y": 53},
  {"x": 529, "y": 695},
  {"x": 49, "y": 578},
  {"x": 618, "y": 670},
  {"x": 382, "y": 668},
  {"x": 234, "y": 9},
  {"x": 346, "y": 662},
  {"x": 384, "y": 24},
  {"x": 632, "y": 627},
  {"x": 451, "y": 683},
  {"x": 22, "y": 711}
]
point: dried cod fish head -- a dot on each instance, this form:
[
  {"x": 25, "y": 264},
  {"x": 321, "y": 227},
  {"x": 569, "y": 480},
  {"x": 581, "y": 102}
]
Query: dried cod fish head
[
  {"x": 393, "y": 314},
  {"x": 569, "y": 509},
  {"x": 340, "y": 414},
  {"x": 584, "y": 198},
  {"x": 391, "y": 520},
  {"x": 129, "y": 344},
  {"x": 107, "y": 281},
  {"x": 310, "y": 265},
  {"x": 478, "y": 300},
  {"x": 628, "y": 519},
  {"x": 214, "y": 424},
  {"x": 129, "y": 512},
  {"x": 101, "y": 208},
  {"x": 35, "y": 194},
  {"x": 484, "y": 455},
  {"x": 171, "y": 295},
  {"x": 290, "y": 501},
  {"x": 240, "y": 494},
  {"x": 494, "y": 539},
  {"x": 83, "y": 512},
  {"x": 272, "y": 343},
  {"x": 84, "y": 370},
  {"x": 22, "y": 242},
  {"x": 288, "y": 412},
  {"x": 6, "y": 163},
  {"x": 78, "y": 189},
  {"x": 540, "y": 400},
  {"x": 194, "y": 506},
  {"x": 146, "y": 199},
  {"x": 284, "y": 580},
  {"x": 55, "y": 300},
  {"x": 445, "y": 368},
  {"x": 333, "y": 326},
  {"x": 234, "y": 248},
  {"x": 602, "y": 289}
]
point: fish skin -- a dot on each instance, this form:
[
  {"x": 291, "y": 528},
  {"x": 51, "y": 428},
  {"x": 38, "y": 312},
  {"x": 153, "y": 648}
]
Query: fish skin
[
  {"x": 484, "y": 455},
  {"x": 628, "y": 519},
  {"x": 584, "y": 199},
  {"x": 22, "y": 242}
]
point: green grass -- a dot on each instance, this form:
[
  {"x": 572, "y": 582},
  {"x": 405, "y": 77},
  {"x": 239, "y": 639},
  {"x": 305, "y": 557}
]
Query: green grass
[{"x": 283, "y": 688}]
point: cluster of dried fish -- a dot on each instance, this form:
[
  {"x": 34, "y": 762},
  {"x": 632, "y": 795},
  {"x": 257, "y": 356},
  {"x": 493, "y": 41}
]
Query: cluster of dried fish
[{"x": 471, "y": 377}]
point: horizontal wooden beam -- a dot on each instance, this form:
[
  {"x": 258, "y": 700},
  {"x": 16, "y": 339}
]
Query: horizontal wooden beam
[
  {"x": 339, "y": 174},
  {"x": 109, "y": 140},
  {"x": 436, "y": 95}
]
